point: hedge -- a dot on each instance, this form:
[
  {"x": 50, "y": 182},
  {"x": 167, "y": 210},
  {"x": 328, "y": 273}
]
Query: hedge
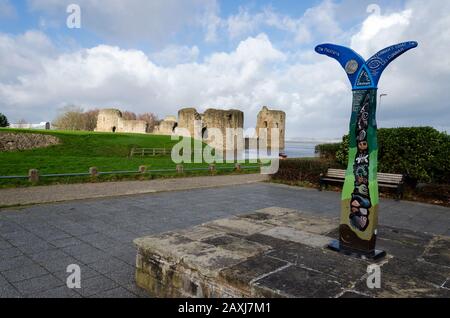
[
  {"x": 327, "y": 151},
  {"x": 302, "y": 169},
  {"x": 421, "y": 153}
]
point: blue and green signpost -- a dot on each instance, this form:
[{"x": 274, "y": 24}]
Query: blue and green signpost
[{"x": 359, "y": 202}]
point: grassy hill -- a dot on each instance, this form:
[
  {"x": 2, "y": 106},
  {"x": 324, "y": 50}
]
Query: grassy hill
[{"x": 80, "y": 150}]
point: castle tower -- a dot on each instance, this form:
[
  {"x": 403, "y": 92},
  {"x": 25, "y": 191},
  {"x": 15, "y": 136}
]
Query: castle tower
[{"x": 269, "y": 119}]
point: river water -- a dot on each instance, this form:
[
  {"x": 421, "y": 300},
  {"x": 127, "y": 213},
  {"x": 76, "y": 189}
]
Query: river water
[{"x": 293, "y": 149}]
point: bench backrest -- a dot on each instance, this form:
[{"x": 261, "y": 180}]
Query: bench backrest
[
  {"x": 382, "y": 177},
  {"x": 390, "y": 178},
  {"x": 336, "y": 173}
]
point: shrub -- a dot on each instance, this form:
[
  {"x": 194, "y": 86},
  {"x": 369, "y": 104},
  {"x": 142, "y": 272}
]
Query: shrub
[
  {"x": 440, "y": 192},
  {"x": 327, "y": 151},
  {"x": 422, "y": 153},
  {"x": 302, "y": 169},
  {"x": 3, "y": 121}
]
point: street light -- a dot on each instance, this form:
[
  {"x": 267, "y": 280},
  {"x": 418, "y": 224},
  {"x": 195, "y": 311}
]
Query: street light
[{"x": 381, "y": 95}]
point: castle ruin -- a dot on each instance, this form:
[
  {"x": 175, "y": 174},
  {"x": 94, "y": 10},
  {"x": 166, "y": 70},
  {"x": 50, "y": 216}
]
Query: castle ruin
[
  {"x": 110, "y": 120},
  {"x": 212, "y": 122},
  {"x": 268, "y": 118},
  {"x": 166, "y": 126}
]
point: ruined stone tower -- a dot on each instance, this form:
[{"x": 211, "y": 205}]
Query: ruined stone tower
[
  {"x": 213, "y": 119},
  {"x": 268, "y": 118}
]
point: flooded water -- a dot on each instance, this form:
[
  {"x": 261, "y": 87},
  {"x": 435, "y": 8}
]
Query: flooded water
[
  {"x": 293, "y": 149},
  {"x": 300, "y": 149}
]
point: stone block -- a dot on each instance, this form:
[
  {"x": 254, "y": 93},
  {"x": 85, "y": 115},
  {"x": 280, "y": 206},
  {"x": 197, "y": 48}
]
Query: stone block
[
  {"x": 238, "y": 226},
  {"x": 294, "y": 235},
  {"x": 278, "y": 252}
]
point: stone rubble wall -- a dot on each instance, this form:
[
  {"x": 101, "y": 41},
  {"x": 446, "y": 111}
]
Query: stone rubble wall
[
  {"x": 132, "y": 126},
  {"x": 17, "y": 141}
]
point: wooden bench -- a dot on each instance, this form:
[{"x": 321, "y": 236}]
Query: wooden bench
[{"x": 386, "y": 180}]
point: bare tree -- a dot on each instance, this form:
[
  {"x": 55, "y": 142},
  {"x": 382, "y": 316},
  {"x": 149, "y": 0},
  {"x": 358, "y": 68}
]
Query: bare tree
[
  {"x": 90, "y": 119},
  {"x": 75, "y": 118},
  {"x": 150, "y": 119},
  {"x": 22, "y": 123},
  {"x": 127, "y": 115},
  {"x": 70, "y": 118}
]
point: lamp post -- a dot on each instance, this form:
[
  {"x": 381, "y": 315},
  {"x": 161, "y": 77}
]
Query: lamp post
[
  {"x": 359, "y": 201},
  {"x": 381, "y": 95}
]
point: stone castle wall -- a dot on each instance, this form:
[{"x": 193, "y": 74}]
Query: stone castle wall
[
  {"x": 132, "y": 126},
  {"x": 110, "y": 120},
  {"x": 166, "y": 126},
  {"x": 210, "y": 119}
]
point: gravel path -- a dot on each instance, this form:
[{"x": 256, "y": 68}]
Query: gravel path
[{"x": 66, "y": 192}]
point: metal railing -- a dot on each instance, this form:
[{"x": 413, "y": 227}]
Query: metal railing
[
  {"x": 34, "y": 175},
  {"x": 156, "y": 151},
  {"x": 149, "y": 151}
]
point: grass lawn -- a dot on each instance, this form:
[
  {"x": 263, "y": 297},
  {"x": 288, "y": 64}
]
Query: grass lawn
[{"x": 80, "y": 150}]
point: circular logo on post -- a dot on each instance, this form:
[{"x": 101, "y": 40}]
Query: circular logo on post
[{"x": 351, "y": 67}]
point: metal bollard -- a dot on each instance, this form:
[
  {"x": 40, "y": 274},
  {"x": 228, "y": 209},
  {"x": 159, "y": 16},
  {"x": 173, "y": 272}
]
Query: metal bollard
[
  {"x": 93, "y": 171},
  {"x": 33, "y": 175},
  {"x": 142, "y": 169}
]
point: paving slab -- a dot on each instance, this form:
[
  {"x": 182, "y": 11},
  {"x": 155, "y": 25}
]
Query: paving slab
[
  {"x": 91, "y": 224},
  {"x": 280, "y": 253}
]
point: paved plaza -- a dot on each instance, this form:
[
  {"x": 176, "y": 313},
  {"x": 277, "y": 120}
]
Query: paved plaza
[{"x": 38, "y": 242}]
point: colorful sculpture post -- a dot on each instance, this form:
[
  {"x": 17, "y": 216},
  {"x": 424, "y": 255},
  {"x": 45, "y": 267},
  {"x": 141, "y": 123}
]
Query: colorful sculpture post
[{"x": 359, "y": 203}]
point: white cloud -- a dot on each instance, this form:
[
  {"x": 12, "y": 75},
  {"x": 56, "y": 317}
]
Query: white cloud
[
  {"x": 174, "y": 54},
  {"x": 417, "y": 82},
  {"x": 313, "y": 89},
  {"x": 379, "y": 30},
  {"x": 315, "y": 22},
  {"x": 23, "y": 54},
  {"x": 155, "y": 21}
]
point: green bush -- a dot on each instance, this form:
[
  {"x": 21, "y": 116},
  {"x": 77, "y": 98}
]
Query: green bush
[
  {"x": 3, "y": 121},
  {"x": 302, "y": 169},
  {"x": 327, "y": 151},
  {"x": 421, "y": 153}
]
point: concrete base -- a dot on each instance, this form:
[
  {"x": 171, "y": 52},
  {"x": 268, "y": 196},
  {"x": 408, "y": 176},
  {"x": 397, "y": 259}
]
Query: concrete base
[
  {"x": 376, "y": 255},
  {"x": 278, "y": 252}
]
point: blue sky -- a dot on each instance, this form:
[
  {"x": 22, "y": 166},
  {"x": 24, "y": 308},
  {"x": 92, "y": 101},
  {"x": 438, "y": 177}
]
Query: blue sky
[
  {"x": 50, "y": 17},
  {"x": 160, "y": 56}
]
